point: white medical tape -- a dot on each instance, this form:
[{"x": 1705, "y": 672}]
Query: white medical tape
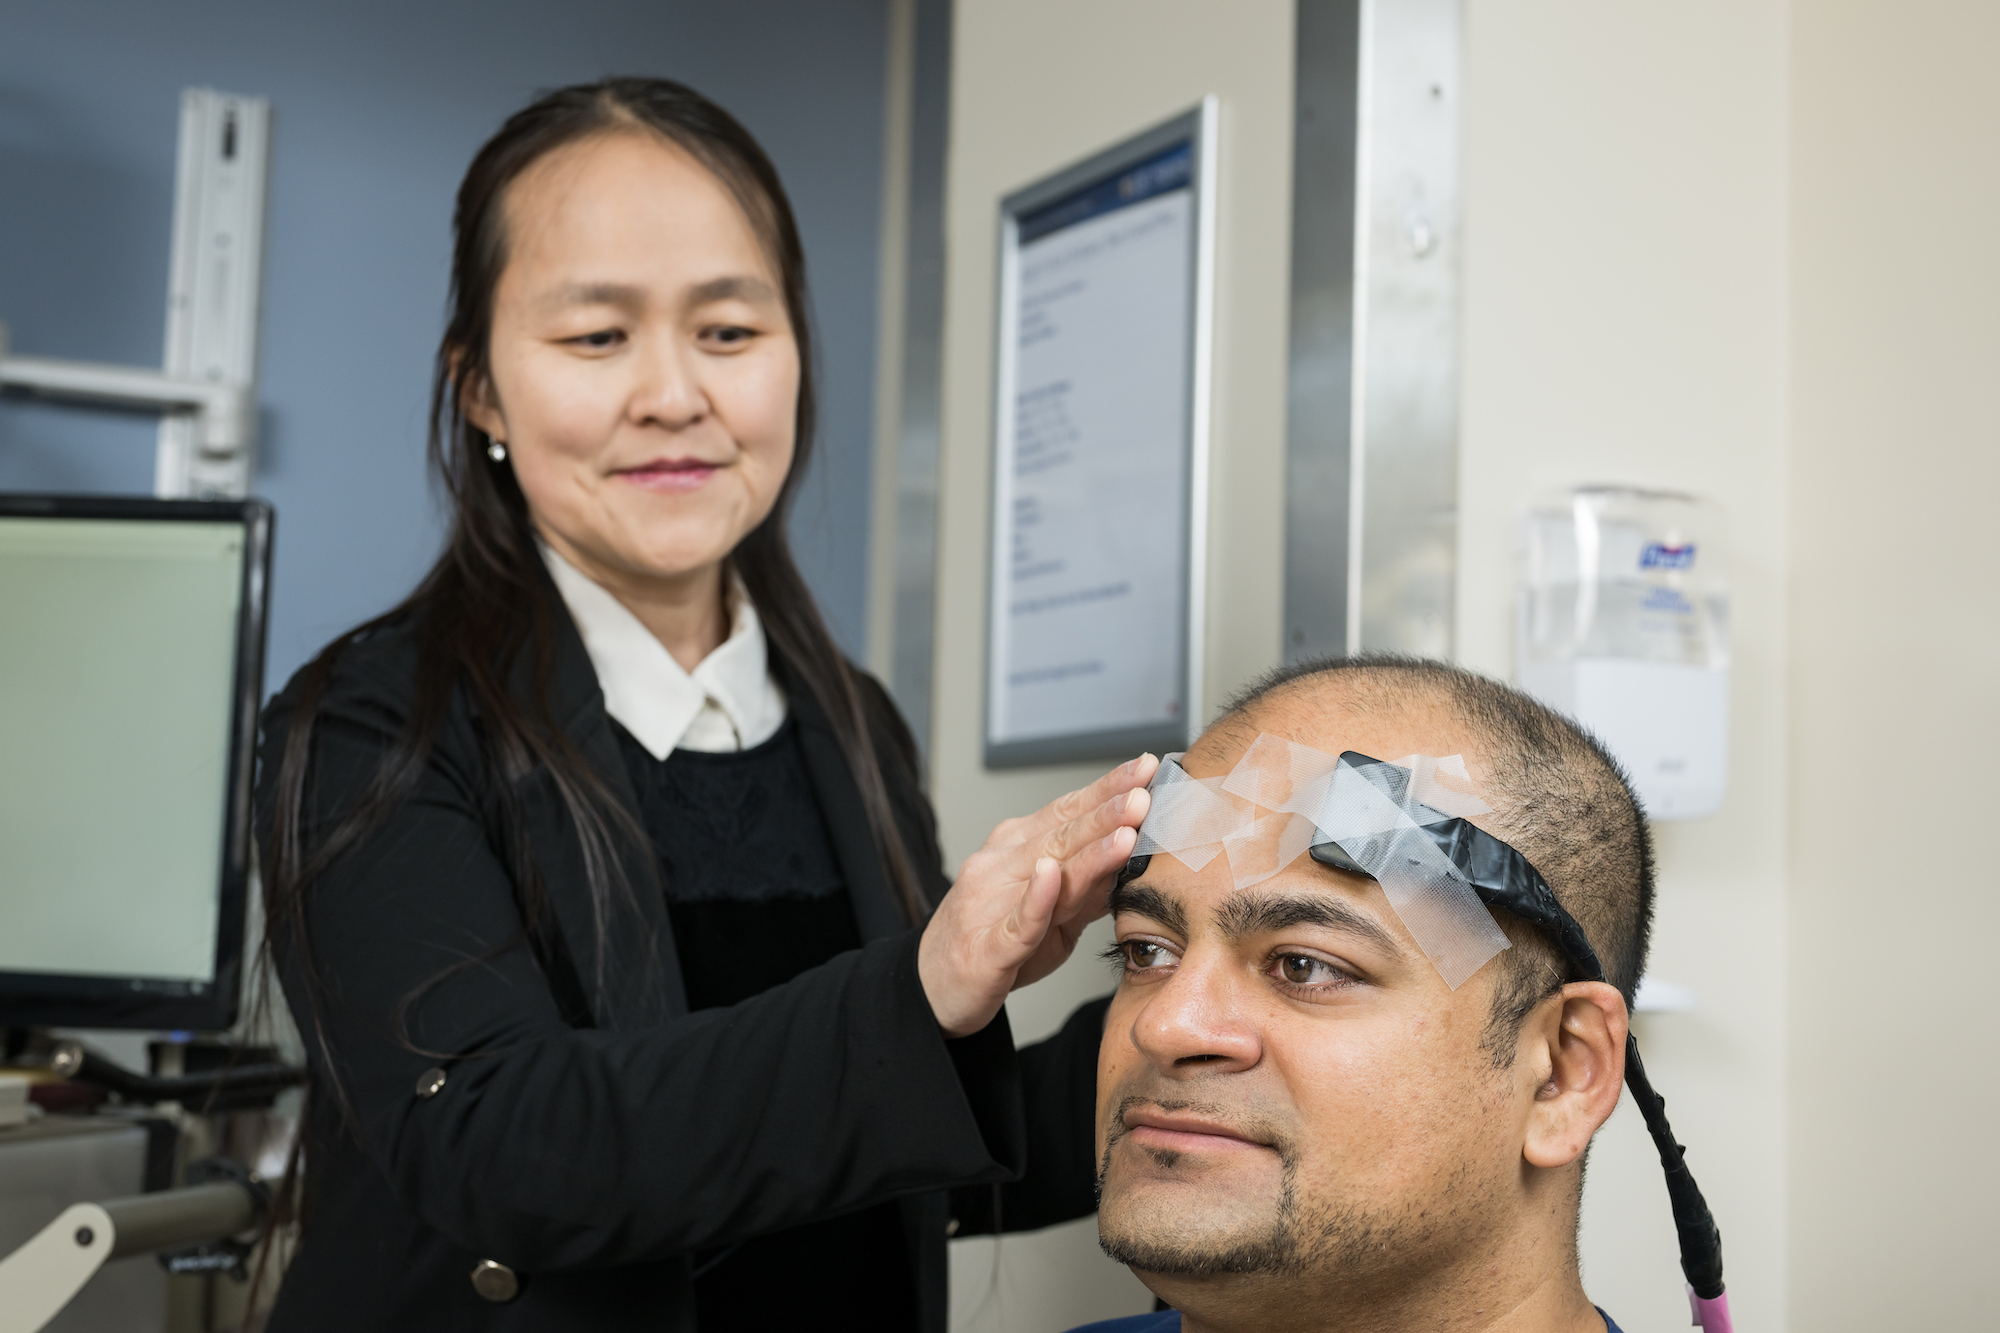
[
  {"x": 1372, "y": 813},
  {"x": 1443, "y": 785},
  {"x": 1283, "y": 798},
  {"x": 1190, "y": 818}
]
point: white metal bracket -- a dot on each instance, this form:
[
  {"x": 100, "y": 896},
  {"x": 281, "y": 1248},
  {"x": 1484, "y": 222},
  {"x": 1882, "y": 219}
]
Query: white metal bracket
[
  {"x": 40, "y": 1278},
  {"x": 207, "y": 389}
]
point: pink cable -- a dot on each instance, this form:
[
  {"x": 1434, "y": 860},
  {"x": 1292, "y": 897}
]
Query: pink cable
[{"x": 1711, "y": 1316}]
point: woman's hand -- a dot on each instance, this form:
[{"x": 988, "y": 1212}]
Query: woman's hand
[{"x": 1020, "y": 901}]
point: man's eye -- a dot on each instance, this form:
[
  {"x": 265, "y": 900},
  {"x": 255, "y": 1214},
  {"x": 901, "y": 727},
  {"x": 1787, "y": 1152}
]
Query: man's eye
[
  {"x": 1300, "y": 969},
  {"x": 1144, "y": 955}
]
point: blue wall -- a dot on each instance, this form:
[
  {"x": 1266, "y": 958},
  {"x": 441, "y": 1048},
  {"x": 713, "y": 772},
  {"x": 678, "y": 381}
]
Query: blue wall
[{"x": 379, "y": 104}]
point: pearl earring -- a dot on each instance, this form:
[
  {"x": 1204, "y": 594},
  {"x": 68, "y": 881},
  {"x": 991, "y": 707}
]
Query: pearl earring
[{"x": 497, "y": 451}]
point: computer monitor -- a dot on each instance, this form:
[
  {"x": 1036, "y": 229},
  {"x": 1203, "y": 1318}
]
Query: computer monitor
[{"x": 131, "y": 669}]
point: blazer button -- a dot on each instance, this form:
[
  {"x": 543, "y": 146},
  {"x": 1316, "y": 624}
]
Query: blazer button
[
  {"x": 429, "y": 1082},
  {"x": 951, "y": 1228},
  {"x": 495, "y": 1282}
]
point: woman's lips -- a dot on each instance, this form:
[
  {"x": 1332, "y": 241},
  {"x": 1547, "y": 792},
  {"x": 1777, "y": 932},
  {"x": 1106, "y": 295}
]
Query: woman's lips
[{"x": 674, "y": 475}]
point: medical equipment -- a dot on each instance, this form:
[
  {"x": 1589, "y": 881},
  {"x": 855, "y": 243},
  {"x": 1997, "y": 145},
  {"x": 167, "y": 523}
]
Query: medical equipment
[
  {"x": 124, "y": 1158},
  {"x": 41, "y": 1277}
]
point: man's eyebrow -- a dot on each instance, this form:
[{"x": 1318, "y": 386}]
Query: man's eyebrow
[
  {"x": 1142, "y": 899},
  {"x": 1260, "y": 913}
]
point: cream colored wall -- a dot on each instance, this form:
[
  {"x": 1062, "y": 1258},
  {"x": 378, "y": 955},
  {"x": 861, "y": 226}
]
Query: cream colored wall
[
  {"x": 1037, "y": 84},
  {"x": 1738, "y": 247},
  {"x": 1625, "y": 321},
  {"x": 1895, "y": 660}
]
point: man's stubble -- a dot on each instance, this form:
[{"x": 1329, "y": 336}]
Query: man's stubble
[{"x": 1345, "y": 1238}]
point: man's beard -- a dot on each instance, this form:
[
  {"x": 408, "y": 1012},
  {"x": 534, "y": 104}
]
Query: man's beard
[{"x": 1313, "y": 1237}]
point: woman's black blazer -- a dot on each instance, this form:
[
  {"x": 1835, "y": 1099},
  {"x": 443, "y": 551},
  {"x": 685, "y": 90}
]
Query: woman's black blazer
[{"x": 591, "y": 1138}]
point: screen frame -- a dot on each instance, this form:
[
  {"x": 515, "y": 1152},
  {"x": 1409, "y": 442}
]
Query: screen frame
[
  {"x": 39, "y": 999},
  {"x": 1197, "y": 128}
]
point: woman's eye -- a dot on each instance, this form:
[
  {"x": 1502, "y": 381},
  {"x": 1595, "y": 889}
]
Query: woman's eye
[
  {"x": 1298, "y": 969},
  {"x": 731, "y": 335},
  {"x": 601, "y": 340}
]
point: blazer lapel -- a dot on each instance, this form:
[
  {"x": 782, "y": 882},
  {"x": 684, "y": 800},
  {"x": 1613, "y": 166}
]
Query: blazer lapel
[
  {"x": 877, "y": 910},
  {"x": 630, "y": 977}
]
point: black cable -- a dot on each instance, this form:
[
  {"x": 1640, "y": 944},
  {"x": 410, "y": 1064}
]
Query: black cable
[
  {"x": 190, "y": 1089},
  {"x": 1701, "y": 1239},
  {"x": 80, "y": 1064}
]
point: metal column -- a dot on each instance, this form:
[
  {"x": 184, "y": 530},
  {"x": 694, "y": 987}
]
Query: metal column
[{"x": 1372, "y": 435}]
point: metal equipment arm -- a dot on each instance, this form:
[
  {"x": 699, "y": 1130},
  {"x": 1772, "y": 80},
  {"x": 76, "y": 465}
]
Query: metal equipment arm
[
  {"x": 221, "y": 411},
  {"x": 44, "y": 1275}
]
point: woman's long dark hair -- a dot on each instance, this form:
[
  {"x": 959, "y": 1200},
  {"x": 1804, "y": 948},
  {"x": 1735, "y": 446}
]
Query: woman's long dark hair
[{"x": 485, "y": 617}]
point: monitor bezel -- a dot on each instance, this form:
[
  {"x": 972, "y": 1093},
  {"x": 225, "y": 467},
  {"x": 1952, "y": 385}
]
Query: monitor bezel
[{"x": 38, "y": 999}]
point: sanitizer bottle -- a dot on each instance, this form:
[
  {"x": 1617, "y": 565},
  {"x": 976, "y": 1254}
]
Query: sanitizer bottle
[{"x": 1624, "y": 625}]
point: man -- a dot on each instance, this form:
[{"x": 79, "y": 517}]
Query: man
[{"x": 1301, "y": 1125}]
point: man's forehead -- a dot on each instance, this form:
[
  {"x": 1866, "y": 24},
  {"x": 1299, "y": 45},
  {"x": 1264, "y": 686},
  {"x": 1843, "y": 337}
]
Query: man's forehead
[
  {"x": 1261, "y": 789},
  {"x": 1332, "y": 717},
  {"x": 1197, "y": 901}
]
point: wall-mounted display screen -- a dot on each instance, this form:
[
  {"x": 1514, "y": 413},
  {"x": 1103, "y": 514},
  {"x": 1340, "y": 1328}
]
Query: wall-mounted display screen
[{"x": 1100, "y": 452}]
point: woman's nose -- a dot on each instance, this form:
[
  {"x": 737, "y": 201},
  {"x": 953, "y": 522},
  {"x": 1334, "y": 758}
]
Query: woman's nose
[
  {"x": 1195, "y": 1023},
  {"x": 668, "y": 391}
]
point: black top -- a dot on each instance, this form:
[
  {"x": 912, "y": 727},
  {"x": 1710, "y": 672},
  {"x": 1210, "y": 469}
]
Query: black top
[
  {"x": 756, "y": 896},
  {"x": 593, "y": 1134}
]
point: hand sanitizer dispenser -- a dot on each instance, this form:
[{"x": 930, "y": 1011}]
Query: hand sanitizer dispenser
[{"x": 1624, "y": 625}]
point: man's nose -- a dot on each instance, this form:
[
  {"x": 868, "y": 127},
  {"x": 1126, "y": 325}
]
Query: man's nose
[
  {"x": 668, "y": 391},
  {"x": 1196, "y": 1022}
]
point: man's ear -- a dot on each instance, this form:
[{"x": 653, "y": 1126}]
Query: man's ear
[
  {"x": 1580, "y": 1036},
  {"x": 475, "y": 398}
]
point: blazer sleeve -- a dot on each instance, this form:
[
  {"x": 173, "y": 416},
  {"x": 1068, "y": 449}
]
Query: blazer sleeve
[
  {"x": 1058, "y": 1077},
  {"x": 550, "y": 1147},
  {"x": 1059, "y": 1096}
]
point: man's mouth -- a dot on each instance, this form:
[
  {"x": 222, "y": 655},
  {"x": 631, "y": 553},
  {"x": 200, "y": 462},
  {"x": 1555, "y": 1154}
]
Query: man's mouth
[
  {"x": 669, "y": 474},
  {"x": 1186, "y": 1132}
]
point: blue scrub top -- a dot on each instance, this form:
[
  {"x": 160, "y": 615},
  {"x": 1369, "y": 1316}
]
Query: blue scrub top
[{"x": 1169, "y": 1321}]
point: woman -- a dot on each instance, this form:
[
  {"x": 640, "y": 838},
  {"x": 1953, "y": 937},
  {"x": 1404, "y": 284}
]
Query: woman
[{"x": 601, "y": 886}]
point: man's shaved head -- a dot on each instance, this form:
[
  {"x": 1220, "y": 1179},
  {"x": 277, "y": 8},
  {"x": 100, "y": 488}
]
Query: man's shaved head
[{"x": 1558, "y": 798}]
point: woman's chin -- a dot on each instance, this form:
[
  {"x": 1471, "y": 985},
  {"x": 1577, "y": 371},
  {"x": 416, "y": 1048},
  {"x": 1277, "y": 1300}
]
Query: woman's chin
[
  {"x": 661, "y": 539},
  {"x": 676, "y": 563}
]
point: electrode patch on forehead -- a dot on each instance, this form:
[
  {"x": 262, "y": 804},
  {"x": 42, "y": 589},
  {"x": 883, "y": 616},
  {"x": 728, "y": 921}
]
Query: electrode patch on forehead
[{"x": 1283, "y": 799}]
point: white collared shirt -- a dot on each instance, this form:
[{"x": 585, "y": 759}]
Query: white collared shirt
[{"x": 728, "y": 702}]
